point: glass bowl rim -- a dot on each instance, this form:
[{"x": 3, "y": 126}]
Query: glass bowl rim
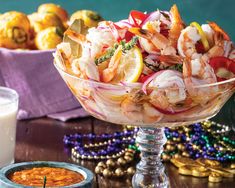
[{"x": 134, "y": 85}]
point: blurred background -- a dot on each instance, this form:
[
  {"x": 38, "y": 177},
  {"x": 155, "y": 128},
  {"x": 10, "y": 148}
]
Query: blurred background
[{"x": 221, "y": 11}]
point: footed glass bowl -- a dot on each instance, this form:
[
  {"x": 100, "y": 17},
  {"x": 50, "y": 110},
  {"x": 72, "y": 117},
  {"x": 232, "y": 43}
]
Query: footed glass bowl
[{"x": 151, "y": 109}]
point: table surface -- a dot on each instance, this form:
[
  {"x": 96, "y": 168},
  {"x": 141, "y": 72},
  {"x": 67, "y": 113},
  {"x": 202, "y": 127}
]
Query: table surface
[{"x": 42, "y": 140}]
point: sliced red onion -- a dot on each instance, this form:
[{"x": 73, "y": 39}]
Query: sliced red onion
[
  {"x": 145, "y": 84},
  {"x": 152, "y": 17},
  {"x": 90, "y": 79},
  {"x": 101, "y": 27},
  {"x": 166, "y": 21},
  {"x": 135, "y": 84},
  {"x": 171, "y": 111},
  {"x": 105, "y": 99},
  {"x": 110, "y": 26},
  {"x": 123, "y": 24},
  {"x": 227, "y": 48},
  {"x": 122, "y": 32},
  {"x": 123, "y": 83},
  {"x": 83, "y": 97},
  {"x": 166, "y": 13},
  {"x": 98, "y": 113},
  {"x": 95, "y": 111},
  {"x": 108, "y": 88},
  {"x": 114, "y": 31}
]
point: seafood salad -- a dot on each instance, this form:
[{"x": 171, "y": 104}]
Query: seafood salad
[{"x": 149, "y": 68}]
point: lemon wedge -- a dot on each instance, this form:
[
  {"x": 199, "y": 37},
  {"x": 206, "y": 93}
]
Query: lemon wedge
[{"x": 130, "y": 67}]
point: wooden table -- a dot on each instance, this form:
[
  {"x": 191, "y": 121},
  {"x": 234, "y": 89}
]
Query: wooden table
[{"x": 41, "y": 139}]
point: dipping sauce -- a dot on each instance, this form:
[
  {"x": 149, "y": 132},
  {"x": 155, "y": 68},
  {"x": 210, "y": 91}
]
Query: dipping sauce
[{"x": 55, "y": 177}]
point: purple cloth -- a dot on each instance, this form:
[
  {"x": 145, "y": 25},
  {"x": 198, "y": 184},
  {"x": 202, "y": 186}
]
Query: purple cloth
[
  {"x": 64, "y": 116},
  {"x": 41, "y": 89}
]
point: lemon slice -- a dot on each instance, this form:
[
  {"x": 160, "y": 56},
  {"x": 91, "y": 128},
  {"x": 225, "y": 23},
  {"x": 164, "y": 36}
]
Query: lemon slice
[
  {"x": 204, "y": 40},
  {"x": 130, "y": 67}
]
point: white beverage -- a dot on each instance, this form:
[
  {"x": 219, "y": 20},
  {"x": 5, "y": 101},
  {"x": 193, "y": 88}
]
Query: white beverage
[{"x": 8, "y": 112}]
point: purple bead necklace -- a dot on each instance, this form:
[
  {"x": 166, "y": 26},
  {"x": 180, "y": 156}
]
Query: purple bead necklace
[{"x": 103, "y": 146}]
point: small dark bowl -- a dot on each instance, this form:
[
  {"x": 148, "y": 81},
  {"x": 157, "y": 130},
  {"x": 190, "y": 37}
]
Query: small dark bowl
[{"x": 6, "y": 183}]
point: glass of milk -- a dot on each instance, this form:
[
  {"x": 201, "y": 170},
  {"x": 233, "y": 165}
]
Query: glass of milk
[{"x": 8, "y": 112}]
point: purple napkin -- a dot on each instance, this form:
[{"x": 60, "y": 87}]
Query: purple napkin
[{"x": 41, "y": 89}]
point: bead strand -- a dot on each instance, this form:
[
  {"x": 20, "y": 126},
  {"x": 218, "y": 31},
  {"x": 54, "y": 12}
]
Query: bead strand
[
  {"x": 104, "y": 146},
  {"x": 118, "y": 168},
  {"x": 200, "y": 140}
]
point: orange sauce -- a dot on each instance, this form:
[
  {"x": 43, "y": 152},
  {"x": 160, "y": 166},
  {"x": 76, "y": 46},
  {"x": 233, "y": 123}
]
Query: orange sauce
[{"x": 55, "y": 177}]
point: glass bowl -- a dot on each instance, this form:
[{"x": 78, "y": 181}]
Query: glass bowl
[
  {"x": 128, "y": 104},
  {"x": 151, "y": 109}
]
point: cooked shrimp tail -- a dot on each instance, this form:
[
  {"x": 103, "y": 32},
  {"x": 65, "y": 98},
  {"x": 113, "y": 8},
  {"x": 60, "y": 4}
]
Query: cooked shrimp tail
[
  {"x": 177, "y": 26},
  {"x": 219, "y": 30},
  {"x": 109, "y": 73},
  {"x": 170, "y": 59}
]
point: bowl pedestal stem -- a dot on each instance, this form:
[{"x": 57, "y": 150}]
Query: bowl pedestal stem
[{"x": 150, "y": 170}]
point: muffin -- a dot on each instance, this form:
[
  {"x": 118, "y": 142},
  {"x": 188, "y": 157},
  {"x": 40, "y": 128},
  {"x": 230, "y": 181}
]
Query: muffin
[
  {"x": 90, "y": 18},
  {"x": 41, "y": 21},
  {"x": 48, "y": 38},
  {"x": 53, "y": 8},
  {"x": 14, "y": 30}
]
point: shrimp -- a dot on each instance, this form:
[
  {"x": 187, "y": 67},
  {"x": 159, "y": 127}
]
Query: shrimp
[
  {"x": 219, "y": 31},
  {"x": 187, "y": 41},
  {"x": 190, "y": 36},
  {"x": 99, "y": 38},
  {"x": 215, "y": 35},
  {"x": 223, "y": 45},
  {"x": 148, "y": 46},
  {"x": 152, "y": 41},
  {"x": 171, "y": 90},
  {"x": 85, "y": 68},
  {"x": 198, "y": 72},
  {"x": 159, "y": 99},
  {"x": 156, "y": 40},
  {"x": 177, "y": 25},
  {"x": 109, "y": 73},
  {"x": 132, "y": 110},
  {"x": 169, "y": 60},
  {"x": 140, "y": 111},
  {"x": 62, "y": 56},
  {"x": 199, "y": 69},
  {"x": 152, "y": 26},
  {"x": 209, "y": 33},
  {"x": 151, "y": 114}
]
